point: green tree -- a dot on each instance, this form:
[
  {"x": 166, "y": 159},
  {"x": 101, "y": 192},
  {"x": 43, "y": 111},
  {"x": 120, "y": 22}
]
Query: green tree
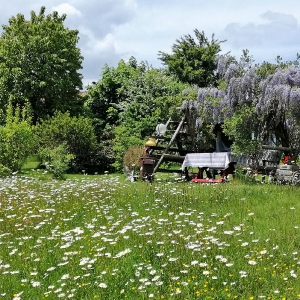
[
  {"x": 39, "y": 62},
  {"x": 132, "y": 91},
  {"x": 150, "y": 97},
  {"x": 107, "y": 97},
  {"x": 128, "y": 101},
  {"x": 193, "y": 61}
]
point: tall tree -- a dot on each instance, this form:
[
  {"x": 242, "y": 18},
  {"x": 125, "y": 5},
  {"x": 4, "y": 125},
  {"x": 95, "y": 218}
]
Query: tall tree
[
  {"x": 132, "y": 91},
  {"x": 193, "y": 61},
  {"x": 39, "y": 62},
  {"x": 128, "y": 101}
]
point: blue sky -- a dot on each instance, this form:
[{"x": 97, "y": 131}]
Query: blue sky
[{"x": 111, "y": 30}]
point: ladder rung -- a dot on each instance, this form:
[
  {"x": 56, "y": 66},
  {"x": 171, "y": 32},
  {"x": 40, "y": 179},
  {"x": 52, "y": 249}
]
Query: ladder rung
[{"x": 169, "y": 171}]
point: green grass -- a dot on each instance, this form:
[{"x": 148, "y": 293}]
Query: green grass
[
  {"x": 31, "y": 163},
  {"x": 100, "y": 237}
]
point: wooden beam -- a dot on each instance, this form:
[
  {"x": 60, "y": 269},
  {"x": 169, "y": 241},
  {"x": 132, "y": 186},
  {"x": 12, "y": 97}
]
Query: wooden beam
[
  {"x": 169, "y": 171},
  {"x": 171, "y": 149},
  {"x": 173, "y": 158},
  {"x": 267, "y": 147}
]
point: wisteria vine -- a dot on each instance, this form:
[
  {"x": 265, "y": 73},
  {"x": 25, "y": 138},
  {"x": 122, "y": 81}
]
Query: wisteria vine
[{"x": 274, "y": 97}]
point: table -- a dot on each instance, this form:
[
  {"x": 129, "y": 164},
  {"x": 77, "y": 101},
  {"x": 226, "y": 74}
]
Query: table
[
  {"x": 206, "y": 161},
  {"x": 215, "y": 160}
]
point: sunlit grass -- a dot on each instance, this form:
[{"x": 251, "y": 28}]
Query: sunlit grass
[
  {"x": 31, "y": 163},
  {"x": 100, "y": 237}
]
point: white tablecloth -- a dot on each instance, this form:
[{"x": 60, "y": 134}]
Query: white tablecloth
[{"x": 215, "y": 160}]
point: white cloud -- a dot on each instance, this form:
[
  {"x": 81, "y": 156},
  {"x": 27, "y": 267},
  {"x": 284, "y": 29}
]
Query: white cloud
[
  {"x": 111, "y": 30},
  {"x": 98, "y": 46},
  {"x": 276, "y": 34},
  {"x": 66, "y": 8}
]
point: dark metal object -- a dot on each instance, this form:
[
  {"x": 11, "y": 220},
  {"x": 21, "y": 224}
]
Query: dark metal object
[{"x": 287, "y": 174}]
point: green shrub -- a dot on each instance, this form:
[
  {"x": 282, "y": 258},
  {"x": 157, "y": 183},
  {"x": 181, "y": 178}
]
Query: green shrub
[
  {"x": 17, "y": 140},
  {"x": 124, "y": 139},
  {"x": 246, "y": 176},
  {"x": 4, "y": 171},
  {"x": 56, "y": 160},
  {"x": 76, "y": 133}
]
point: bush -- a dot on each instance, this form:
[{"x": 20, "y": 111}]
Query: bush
[
  {"x": 132, "y": 157},
  {"x": 124, "y": 139},
  {"x": 4, "y": 171},
  {"x": 246, "y": 176},
  {"x": 17, "y": 140},
  {"x": 56, "y": 160},
  {"x": 76, "y": 133}
]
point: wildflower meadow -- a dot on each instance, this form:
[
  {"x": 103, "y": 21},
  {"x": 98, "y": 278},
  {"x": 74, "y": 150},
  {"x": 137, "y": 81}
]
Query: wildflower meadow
[{"x": 100, "y": 237}]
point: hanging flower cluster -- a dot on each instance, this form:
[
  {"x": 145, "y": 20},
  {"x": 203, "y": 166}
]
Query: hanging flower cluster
[{"x": 274, "y": 99}]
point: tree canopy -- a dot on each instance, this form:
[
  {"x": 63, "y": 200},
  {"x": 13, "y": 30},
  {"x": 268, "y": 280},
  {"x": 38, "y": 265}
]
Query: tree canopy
[
  {"x": 259, "y": 104},
  {"x": 132, "y": 91},
  {"x": 129, "y": 100},
  {"x": 39, "y": 63},
  {"x": 193, "y": 61}
]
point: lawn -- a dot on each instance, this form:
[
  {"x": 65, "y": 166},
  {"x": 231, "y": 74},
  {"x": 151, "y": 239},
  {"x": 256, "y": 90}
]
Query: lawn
[
  {"x": 31, "y": 163},
  {"x": 100, "y": 237}
]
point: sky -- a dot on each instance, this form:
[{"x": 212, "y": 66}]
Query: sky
[{"x": 111, "y": 30}]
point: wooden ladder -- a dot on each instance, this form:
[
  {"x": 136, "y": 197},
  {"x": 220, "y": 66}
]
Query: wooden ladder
[{"x": 170, "y": 144}]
